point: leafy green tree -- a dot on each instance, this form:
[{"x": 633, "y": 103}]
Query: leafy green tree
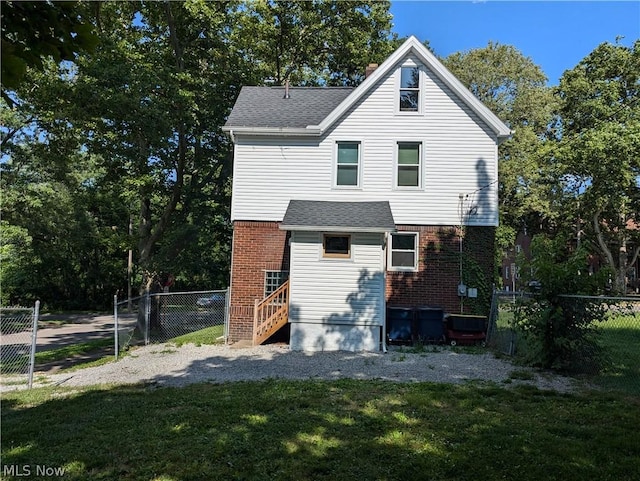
[
  {"x": 514, "y": 88},
  {"x": 599, "y": 151},
  {"x": 324, "y": 42},
  {"x": 561, "y": 330},
  {"x": 16, "y": 257},
  {"x": 69, "y": 254},
  {"x": 131, "y": 131},
  {"x": 35, "y": 31},
  {"x": 149, "y": 103}
]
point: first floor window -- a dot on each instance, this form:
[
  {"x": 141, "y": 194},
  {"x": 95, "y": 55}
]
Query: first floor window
[
  {"x": 347, "y": 163},
  {"x": 404, "y": 251},
  {"x": 336, "y": 246},
  {"x": 273, "y": 280}
]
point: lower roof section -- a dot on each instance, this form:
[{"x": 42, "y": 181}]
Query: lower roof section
[{"x": 315, "y": 215}]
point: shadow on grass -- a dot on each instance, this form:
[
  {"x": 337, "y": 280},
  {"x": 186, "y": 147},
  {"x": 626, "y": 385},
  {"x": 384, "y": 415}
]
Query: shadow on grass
[
  {"x": 309, "y": 430},
  {"x": 622, "y": 366}
]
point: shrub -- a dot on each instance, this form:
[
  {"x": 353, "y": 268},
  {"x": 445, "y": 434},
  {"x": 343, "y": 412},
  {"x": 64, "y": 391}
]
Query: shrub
[{"x": 560, "y": 329}]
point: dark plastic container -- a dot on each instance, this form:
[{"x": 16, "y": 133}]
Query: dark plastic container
[
  {"x": 464, "y": 329},
  {"x": 399, "y": 325},
  {"x": 430, "y": 324},
  {"x": 466, "y": 323}
]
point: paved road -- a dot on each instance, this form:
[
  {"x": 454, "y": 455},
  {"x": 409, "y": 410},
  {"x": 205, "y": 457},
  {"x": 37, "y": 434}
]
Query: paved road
[{"x": 79, "y": 328}]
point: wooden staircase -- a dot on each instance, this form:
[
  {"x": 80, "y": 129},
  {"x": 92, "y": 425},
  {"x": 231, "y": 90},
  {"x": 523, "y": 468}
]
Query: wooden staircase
[{"x": 271, "y": 314}]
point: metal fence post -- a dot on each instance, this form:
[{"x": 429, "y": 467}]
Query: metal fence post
[
  {"x": 115, "y": 324},
  {"x": 34, "y": 336},
  {"x": 227, "y": 302},
  {"x": 147, "y": 316}
]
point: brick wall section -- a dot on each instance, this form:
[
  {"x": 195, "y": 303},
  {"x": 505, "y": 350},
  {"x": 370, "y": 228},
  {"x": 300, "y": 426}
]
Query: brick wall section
[
  {"x": 257, "y": 247},
  {"x": 438, "y": 276},
  {"x": 260, "y": 246}
]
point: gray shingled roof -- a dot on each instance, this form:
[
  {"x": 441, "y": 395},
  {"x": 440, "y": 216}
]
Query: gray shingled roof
[
  {"x": 338, "y": 216},
  {"x": 267, "y": 107}
]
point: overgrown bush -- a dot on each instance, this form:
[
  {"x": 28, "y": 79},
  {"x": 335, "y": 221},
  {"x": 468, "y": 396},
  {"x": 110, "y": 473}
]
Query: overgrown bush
[{"x": 561, "y": 331}]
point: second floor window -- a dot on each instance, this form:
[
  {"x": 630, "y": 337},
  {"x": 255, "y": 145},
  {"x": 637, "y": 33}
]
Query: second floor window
[
  {"x": 409, "y": 164},
  {"x": 409, "y": 89},
  {"x": 347, "y": 164}
]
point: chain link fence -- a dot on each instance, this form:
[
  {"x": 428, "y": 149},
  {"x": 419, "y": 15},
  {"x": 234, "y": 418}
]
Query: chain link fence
[
  {"x": 502, "y": 335},
  {"x": 616, "y": 362},
  {"x": 19, "y": 330},
  {"x": 166, "y": 317}
]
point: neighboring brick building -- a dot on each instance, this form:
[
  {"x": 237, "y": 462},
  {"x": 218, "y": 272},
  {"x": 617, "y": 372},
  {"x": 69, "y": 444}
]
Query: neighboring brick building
[{"x": 354, "y": 198}]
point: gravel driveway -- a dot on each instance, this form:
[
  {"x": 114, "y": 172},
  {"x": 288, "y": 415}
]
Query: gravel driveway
[{"x": 167, "y": 365}]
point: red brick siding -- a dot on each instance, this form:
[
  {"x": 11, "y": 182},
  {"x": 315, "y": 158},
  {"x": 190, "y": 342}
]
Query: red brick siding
[
  {"x": 436, "y": 281},
  {"x": 260, "y": 246},
  {"x": 257, "y": 247}
]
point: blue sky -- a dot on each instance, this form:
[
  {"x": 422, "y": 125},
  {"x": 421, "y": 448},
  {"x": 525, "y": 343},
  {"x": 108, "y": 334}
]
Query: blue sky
[{"x": 555, "y": 35}]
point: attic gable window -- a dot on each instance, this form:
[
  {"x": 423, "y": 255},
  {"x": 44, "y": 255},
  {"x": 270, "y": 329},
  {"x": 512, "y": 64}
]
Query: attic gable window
[
  {"x": 409, "y": 89},
  {"x": 347, "y": 164}
]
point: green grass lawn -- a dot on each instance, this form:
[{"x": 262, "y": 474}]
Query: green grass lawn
[
  {"x": 312, "y": 430},
  {"x": 619, "y": 336},
  {"x": 620, "y": 339},
  {"x": 72, "y": 350},
  {"x": 208, "y": 335}
]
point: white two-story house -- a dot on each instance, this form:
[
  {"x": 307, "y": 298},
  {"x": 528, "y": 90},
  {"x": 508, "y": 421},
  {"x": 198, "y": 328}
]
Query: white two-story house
[{"x": 349, "y": 200}]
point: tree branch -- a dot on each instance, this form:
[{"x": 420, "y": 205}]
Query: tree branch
[
  {"x": 173, "y": 37},
  {"x": 634, "y": 257},
  {"x": 176, "y": 192},
  {"x": 603, "y": 245},
  {"x": 8, "y": 137}
]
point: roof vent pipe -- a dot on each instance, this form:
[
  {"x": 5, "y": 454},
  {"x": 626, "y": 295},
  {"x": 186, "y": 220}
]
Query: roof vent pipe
[{"x": 286, "y": 89}]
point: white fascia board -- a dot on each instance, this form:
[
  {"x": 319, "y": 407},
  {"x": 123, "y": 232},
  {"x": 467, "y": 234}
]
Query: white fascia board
[
  {"x": 368, "y": 82},
  {"x": 310, "y": 131},
  {"x": 412, "y": 44},
  {"x": 492, "y": 120},
  {"x": 328, "y": 228}
]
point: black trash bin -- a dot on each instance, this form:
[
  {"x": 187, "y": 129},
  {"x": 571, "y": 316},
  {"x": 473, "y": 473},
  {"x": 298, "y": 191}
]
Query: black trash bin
[
  {"x": 399, "y": 325},
  {"x": 430, "y": 326}
]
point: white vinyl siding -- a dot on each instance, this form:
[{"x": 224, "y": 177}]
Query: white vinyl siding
[
  {"x": 459, "y": 157},
  {"x": 335, "y": 295}
]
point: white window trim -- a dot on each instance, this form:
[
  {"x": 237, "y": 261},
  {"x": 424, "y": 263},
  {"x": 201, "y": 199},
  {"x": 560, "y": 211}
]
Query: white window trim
[
  {"x": 421, "y": 156},
  {"x": 398, "y": 85},
  {"x": 390, "y": 266},
  {"x": 335, "y": 185}
]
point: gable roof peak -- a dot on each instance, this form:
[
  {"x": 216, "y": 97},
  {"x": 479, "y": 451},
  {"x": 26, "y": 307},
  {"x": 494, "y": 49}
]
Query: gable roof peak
[
  {"x": 413, "y": 46},
  {"x": 313, "y": 110}
]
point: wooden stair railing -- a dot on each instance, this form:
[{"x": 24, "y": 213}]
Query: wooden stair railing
[{"x": 270, "y": 314}]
